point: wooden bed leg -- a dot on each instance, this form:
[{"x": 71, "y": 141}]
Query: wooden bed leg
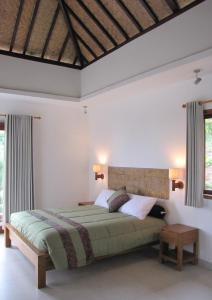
[
  {"x": 40, "y": 272},
  {"x": 7, "y": 240}
]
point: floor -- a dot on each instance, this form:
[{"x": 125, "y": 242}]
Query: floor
[{"x": 131, "y": 277}]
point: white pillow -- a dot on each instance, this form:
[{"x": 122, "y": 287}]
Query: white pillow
[
  {"x": 101, "y": 200},
  {"x": 138, "y": 206}
]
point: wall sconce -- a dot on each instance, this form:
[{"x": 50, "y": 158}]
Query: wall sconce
[
  {"x": 174, "y": 175},
  {"x": 97, "y": 169}
]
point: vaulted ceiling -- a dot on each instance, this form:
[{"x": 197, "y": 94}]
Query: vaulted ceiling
[{"x": 76, "y": 33}]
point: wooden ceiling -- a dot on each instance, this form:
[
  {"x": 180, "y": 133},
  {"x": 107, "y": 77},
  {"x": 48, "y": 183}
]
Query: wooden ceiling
[{"x": 76, "y": 33}]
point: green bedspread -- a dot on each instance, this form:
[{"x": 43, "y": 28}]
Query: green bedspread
[{"x": 75, "y": 237}]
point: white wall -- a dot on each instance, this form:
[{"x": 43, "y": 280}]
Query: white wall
[
  {"x": 31, "y": 76},
  {"x": 61, "y": 159},
  {"x": 166, "y": 44},
  {"x": 137, "y": 127}
]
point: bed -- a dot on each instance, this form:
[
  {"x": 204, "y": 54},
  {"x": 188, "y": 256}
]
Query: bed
[{"x": 65, "y": 239}]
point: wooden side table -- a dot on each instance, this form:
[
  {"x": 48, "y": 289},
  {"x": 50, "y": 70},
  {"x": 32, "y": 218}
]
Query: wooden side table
[
  {"x": 82, "y": 203},
  {"x": 179, "y": 235}
]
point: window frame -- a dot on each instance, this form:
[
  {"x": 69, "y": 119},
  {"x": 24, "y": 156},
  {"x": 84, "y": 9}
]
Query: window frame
[{"x": 207, "y": 115}]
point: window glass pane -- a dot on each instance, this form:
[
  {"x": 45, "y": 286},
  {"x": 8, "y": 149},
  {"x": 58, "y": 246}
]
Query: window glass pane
[{"x": 208, "y": 154}]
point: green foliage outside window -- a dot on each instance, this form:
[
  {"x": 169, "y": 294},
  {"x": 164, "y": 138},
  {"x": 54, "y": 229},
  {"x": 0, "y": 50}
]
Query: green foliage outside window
[{"x": 208, "y": 154}]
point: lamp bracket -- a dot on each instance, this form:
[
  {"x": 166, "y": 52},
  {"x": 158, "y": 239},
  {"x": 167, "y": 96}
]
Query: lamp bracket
[
  {"x": 177, "y": 185},
  {"x": 97, "y": 176}
]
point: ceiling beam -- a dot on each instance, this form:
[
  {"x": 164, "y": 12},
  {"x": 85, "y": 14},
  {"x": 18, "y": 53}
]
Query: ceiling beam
[
  {"x": 71, "y": 31},
  {"x": 85, "y": 60},
  {"x": 111, "y": 17},
  {"x": 130, "y": 15},
  {"x": 75, "y": 60},
  {"x": 76, "y": 63},
  {"x": 16, "y": 24},
  {"x": 63, "y": 47},
  {"x": 149, "y": 9},
  {"x": 50, "y": 30},
  {"x": 173, "y": 5},
  {"x": 97, "y": 22},
  {"x": 39, "y": 59},
  {"x": 31, "y": 26},
  {"x": 88, "y": 31},
  {"x": 86, "y": 46}
]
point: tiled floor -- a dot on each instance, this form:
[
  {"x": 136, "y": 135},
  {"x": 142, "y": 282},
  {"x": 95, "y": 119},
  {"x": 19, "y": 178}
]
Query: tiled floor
[{"x": 131, "y": 277}]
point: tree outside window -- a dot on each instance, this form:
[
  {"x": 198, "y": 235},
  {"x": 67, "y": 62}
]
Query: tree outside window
[{"x": 208, "y": 151}]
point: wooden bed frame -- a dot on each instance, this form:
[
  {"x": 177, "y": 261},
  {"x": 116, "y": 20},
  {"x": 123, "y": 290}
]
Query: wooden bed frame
[
  {"x": 149, "y": 182},
  {"x": 42, "y": 260}
]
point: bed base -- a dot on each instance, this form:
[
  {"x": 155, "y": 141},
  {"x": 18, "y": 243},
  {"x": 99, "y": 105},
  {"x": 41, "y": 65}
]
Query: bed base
[{"x": 41, "y": 260}]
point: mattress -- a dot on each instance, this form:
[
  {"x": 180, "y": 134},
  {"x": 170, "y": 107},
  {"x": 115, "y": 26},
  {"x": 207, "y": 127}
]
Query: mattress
[{"x": 77, "y": 236}]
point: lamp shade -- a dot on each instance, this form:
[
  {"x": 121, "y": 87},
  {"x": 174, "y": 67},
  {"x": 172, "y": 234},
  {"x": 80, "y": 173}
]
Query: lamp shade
[
  {"x": 96, "y": 168},
  {"x": 176, "y": 173}
]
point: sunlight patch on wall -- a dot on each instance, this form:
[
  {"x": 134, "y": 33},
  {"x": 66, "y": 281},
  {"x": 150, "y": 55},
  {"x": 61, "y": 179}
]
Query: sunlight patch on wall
[
  {"x": 102, "y": 158},
  {"x": 180, "y": 161}
]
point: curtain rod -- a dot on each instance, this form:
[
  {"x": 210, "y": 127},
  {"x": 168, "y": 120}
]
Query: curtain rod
[
  {"x": 200, "y": 103},
  {"x": 34, "y": 117}
]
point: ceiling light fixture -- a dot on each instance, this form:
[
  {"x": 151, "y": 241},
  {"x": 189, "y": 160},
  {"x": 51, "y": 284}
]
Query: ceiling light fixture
[
  {"x": 85, "y": 109},
  {"x": 198, "y": 79}
]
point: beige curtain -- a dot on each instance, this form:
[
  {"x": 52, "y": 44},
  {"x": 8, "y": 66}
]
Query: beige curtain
[{"x": 195, "y": 155}]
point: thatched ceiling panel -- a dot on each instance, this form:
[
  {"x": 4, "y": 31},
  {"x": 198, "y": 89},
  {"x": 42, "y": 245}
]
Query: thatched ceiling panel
[
  {"x": 90, "y": 23},
  {"x": 69, "y": 53},
  {"x": 105, "y": 20},
  {"x": 24, "y": 24},
  {"x": 161, "y": 8},
  {"x": 139, "y": 12},
  {"x": 58, "y": 36},
  {"x": 75, "y": 33},
  {"x": 41, "y": 26},
  {"x": 85, "y": 36},
  {"x": 86, "y": 53},
  {"x": 8, "y": 12},
  {"x": 121, "y": 17},
  {"x": 184, "y": 3}
]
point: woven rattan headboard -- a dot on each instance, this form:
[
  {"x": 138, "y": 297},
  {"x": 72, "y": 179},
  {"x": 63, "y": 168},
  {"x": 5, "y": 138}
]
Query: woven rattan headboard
[{"x": 141, "y": 181}]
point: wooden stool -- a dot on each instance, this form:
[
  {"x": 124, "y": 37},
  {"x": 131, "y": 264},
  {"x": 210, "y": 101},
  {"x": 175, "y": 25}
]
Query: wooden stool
[{"x": 179, "y": 235}]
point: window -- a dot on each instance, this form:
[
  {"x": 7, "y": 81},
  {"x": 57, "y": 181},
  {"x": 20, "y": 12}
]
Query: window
[
  {"x": 208, "y": 152},
  {"x": 2, "y": 144}
]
